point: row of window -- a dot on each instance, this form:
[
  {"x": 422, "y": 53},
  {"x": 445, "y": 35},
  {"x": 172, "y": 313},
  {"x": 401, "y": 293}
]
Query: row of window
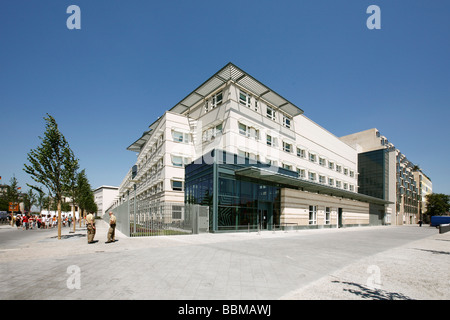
[
  {"x": 251, "y": 132},
  {"x": 312, "y": 176},
  {"x": 246, "y": 99},
  {"x": 301, "y": 153},
  {"x": 176, "y": 185}
]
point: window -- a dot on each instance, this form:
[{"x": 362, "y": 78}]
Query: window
[
  {"x": 287, "y": 166},
  {"x": 301, "y": 173},
  {"x": 248, "y": 155},
  {"x": 211, "y": 133},
  {"x": 286, "y": 121},
  {"x": 245, "y": 99},
  {"x": 300, "y": 153},
  {"x": 327, "y": 215},
  {"x": 352, "y": 187},
  {"x": 270, "y": 113},
  {"x": 271, "y": 162},
  {"x": 312, "y": 157},
  {"x": 180, "y": 136},
  {"x": 346, "y": 171},
  {"x": 287, "y": 146},
  {"x": 338, "y": 168},
  {"x": 330, "y": 165},
  {"x": 338, "y": 184},
  {"x": 321, "y": 179},
  {"x": 177, "y": 212},
  {"x": 177, "y": 185},
  {"x": 331, "y": 182},
  {"x": 352, "y": 173},
  {"x": 179, "y": 161},
  {"x": 312, "y": 176},
  {"x": 271, "y": 141},
  {"x": 242, "y": 129},
  {"x": 322, "y": 161},
  {"x": 312, "y": 214},
  {"x": 248, "y": 131},
  {"x": 216, "y": 100},
  {"x": 345, "y": 186}
]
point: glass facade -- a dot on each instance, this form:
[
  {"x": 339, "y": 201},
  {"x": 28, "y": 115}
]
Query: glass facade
[
  {"x": 236, "y": 203},
  {"x": 373, "y": 173}
]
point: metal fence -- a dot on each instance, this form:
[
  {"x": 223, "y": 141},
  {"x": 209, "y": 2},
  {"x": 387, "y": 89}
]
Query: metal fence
[{"x": 161, "y": 219}]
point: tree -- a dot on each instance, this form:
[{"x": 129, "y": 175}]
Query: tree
[
  {"x": 51, "y": 163},
  {"x": 29, "y": 199},
  {"x": 438, "y": 204},
  {"x": 12, "y": 195},
  {"x": 84, "y": 195}
]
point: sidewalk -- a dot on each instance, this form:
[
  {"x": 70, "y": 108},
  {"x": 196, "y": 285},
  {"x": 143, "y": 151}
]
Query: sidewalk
[{"x": 308, "y": 264}]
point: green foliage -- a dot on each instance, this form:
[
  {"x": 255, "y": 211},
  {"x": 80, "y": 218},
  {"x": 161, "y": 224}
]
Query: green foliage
[
  {"x": 84, "y": 193},
  {"x": 437, "y": 204},
  {"x": 52, "y": 163}
]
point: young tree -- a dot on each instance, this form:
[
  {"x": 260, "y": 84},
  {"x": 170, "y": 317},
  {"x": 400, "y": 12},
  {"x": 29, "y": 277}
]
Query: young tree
[
  {"x": 51, "y": 163},
  {"x": 29, "y": 200},
  {"x": 84, "y": 195},
  {"x": 12, "y": 195}
]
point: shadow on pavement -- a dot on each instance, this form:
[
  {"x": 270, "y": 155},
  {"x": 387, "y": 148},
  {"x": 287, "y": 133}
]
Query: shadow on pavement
[{"x": 370, "y": 293}]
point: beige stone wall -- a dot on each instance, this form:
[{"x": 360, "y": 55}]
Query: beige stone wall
[{"x": 295, "y": 208}]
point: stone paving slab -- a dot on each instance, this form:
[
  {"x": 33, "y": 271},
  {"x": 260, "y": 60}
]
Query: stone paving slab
[{"x": 307, "y": 264}]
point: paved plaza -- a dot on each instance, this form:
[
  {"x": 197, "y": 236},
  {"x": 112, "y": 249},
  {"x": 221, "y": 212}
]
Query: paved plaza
[{"x": 383, "y": 262}]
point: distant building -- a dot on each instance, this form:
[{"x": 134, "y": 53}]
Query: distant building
[
  {"x": 384, "y": 172},
  {"x": 425, "y": 187},
  {"x": 104, "y": 196}
]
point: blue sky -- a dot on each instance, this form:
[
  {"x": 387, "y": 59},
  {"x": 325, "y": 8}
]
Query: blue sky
[{"x": 133, "y": 60}]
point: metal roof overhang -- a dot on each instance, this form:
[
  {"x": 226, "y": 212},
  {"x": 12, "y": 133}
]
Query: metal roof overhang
[
  {"x": 238, "y": 76},
  {"x": 136, "y": 146},
  {"x": 279, "y": 178},
  {"x": 228, "y": 73}
]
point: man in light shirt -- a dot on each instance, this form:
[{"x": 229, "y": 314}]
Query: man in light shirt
[
  {"x": 90, "y": 224},
  {"x": 112, "y": 227}
]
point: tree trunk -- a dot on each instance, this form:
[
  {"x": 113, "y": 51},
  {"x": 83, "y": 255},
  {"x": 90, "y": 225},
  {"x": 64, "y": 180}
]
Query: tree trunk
[
  {"x": 59, "y": 219},
  {"x": 73, "y": 216}
]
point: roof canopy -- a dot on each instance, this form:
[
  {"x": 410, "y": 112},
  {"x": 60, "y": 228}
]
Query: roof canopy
[
  {"x": 243, "y": 79},
  {"x": 228, "y": 73},
  {"x": 276, "y": 177}
]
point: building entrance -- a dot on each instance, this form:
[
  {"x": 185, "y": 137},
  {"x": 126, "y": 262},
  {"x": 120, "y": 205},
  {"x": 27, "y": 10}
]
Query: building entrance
[
  {"x": 265, "y": 215},
  {"x": 340, "y": 225}
]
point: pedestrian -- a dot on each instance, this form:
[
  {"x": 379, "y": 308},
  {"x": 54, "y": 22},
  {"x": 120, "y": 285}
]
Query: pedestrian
[
  {"x": 69, "y": 220},
  {"x": 90, "y": 224},
  {"x": 18, "y": 221},
  {"x": 112, "y": 228},
  {"x": 420, "y": 222},
  {"x": 25, "y": 222}
]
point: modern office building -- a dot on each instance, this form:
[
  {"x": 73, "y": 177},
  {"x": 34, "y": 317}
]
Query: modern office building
[
  {"x": 384, "y": 172},
  {"x": 252, "y": 156}
]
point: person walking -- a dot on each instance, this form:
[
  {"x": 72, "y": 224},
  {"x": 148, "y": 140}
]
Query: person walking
[
  {"x": 90, "y": 224},
  {"x": 17, "y": 218},
  {"x": 112, "y": 227}
]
